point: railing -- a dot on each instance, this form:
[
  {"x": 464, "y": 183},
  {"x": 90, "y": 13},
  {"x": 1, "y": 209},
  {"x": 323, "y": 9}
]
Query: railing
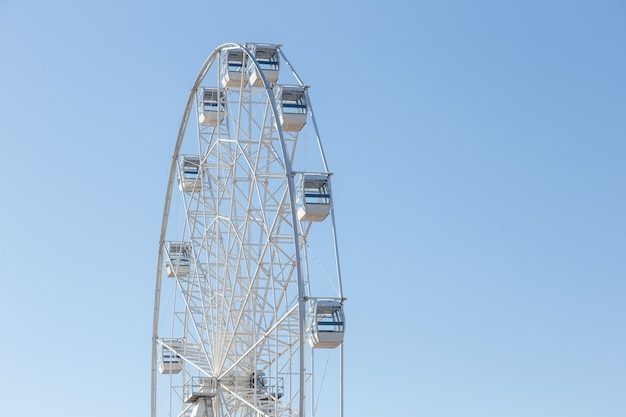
[{"x": 199, "y": 387}]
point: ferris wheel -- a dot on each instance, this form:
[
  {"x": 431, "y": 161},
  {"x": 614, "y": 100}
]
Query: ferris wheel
[{"x": 249, "y": 305}]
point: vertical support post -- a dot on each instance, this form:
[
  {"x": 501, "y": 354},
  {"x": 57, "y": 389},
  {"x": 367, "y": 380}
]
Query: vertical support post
[{"x": 341, "y": 380}]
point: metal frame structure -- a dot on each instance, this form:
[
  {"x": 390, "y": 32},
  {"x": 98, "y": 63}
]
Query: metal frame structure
[{"x": 232, "y": 323}]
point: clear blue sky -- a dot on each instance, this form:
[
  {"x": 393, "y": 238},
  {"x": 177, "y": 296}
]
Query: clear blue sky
[{"x": 479, "y": 152}]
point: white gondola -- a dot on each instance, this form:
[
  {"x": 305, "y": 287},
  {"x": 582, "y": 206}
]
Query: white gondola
[
  {"x": 326, "y": 324},
  {"x": 268, "y": 58},
  {"x": 189, "y": 174},
  {"x": 178, "y": 263},
  {"x": 314, "y": 199},
  {"x": 170, "y": 361},
  {"x": 233, "y": 69},
  {"x": 292, "y": 107},
  {"x": 211, "y": 107}
]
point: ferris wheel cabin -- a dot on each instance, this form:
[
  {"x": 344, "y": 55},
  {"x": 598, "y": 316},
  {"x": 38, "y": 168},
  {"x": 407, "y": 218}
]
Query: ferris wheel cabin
[
  {"x": 314, "y": 199},
  {"x": 326, "y": 324},
  {"x": 170, "y": 361},
  {"x": 292, "y": 107},
  {"x": 212, "y": 107},
  {"x": 178, "y": 263},
  {"x": 268, "y": 58},
  {"x": 189, "y": 174},
  {"x": 233, "y": 69}
]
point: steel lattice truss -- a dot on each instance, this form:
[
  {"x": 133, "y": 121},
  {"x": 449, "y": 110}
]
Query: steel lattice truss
[{"x": 236, "y": 316}]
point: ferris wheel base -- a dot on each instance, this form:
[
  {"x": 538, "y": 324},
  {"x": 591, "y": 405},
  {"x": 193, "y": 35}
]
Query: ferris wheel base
[{"x": 202, "y": 408}]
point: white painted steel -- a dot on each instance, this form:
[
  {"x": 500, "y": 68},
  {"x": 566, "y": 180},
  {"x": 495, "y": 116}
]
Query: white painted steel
[{"x": 235, "y": 270}]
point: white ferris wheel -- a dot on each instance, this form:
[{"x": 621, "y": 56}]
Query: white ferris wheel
[{"x": 248, "y": 312}]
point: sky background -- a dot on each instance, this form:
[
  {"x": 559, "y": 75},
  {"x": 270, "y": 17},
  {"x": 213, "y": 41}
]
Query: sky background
[{"x": 478, "y": 150}]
